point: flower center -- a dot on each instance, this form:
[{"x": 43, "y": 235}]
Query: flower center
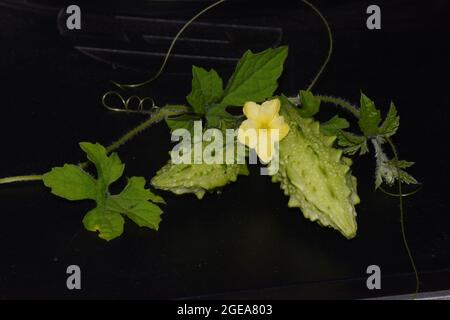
[{"x": 264, "y": 125}]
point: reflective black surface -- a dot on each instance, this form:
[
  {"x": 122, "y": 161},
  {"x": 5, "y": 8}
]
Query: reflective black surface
[{"x": 244, "y": 242}]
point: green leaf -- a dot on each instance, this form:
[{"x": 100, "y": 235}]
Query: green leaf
[
  {"x": 310, "y": 104},
  {"x": 155, "y": 198},
  {"x": 184, "y": 121},
  {"x": 135, "y": 191},
  {"x": 387, "y": 172},
  {"x": 207, "y": 88},
  {"x": 391, "y": 123},
  {"x": 73, "y": 183},
  {"x": 352, "y": 143},
  {"x": 145, "y": 214},
  {"x": 109, "y": 169},
  {"x": 370, "y": 117},
  {"x": 334, "y": 126},
  {"x": 407, "y": 178},
  {"x": 133, "y": 202},
  {"x": 401, "y": 164},
  {"x": 255, "y": 78},
  {"x": 390, "y": 170},
  {"x": 218, "y": 117},
  {"x": 108, "y": 224}
]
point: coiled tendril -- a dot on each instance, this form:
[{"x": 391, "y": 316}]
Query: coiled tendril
[{"x": 133, "y": 104}]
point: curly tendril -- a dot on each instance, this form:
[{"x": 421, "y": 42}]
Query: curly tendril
[{"x": 127, "y": 104}]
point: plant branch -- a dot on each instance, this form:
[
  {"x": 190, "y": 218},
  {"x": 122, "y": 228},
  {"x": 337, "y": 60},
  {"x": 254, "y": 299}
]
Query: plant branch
[
  {"x": 20, "y": 179},
  {"x": 341, "y": 103},
  {"x": 333, "y": 100},
  {"x": 161, "y": 114}
]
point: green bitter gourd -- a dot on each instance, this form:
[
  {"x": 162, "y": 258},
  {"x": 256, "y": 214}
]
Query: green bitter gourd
[
  {"x": 197, "y": 178},
  {"x": 315, "y": 175}
]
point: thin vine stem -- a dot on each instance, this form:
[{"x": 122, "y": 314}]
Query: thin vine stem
[
  {"x": 401, "y": 195},
  {"x": 20, "y": 179},
  {"x": 330, "y": 44},
  {"x": 169, "y": 51},
  {"x": 402, "y": 217}
]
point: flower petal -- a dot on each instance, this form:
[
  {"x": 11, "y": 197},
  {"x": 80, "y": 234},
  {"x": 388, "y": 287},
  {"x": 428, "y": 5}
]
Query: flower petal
[
  {"x": 247, "y": 133},
  {"x": 251, "y": 110},
  {"x": 248, "y": 124},
  {"x": 269, "y": 110},
  {"x": 265, "y": 146},
  {"x": 279, "y": 124}
]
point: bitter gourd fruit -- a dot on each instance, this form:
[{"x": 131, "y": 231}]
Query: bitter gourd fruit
[
  {"x": 197, "y": 178},
  {"x": 316, "y": 176}
]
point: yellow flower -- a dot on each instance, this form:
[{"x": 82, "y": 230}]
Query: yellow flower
[{"x": 263, "y": 128}]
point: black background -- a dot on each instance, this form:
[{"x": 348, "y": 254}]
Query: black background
[{"x": 244, "y": 242}]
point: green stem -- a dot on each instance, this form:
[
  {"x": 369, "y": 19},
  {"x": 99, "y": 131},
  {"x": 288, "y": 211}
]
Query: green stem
[
  {"x": 20, "y": 179},
  {"x": 341, "y": 103},
  {"x": 402, "y": 218},
  {"x": 334, "y": 100},
  {"x": 167, "y": 111}
]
